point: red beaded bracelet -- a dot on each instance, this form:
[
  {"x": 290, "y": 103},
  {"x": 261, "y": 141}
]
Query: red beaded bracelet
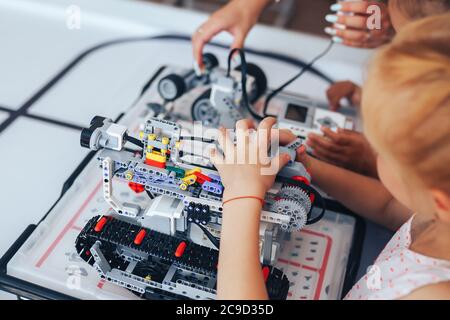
[{"x": 245, "y": 197}]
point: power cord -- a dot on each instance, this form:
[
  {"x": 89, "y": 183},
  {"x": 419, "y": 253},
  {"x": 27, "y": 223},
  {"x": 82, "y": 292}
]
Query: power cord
[
  {"x": 275, "y": 92},
  {"x": 302, "y": 71},
  {"x": 134, "y": 141},
  {"x": 209, "y": 235},
  {"x": 243, "y": 80}
]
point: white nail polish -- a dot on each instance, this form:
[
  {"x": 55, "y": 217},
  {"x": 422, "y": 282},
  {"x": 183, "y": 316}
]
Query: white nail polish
[
  {"x": 330, "y": 31},
  {"x": 337, "y": 39},
  {"x": 198, "y": 71},
  {"x": 331, "y": 18},
  {"x": 339, "y": 26},
  {"x": 336, "y": 7}
]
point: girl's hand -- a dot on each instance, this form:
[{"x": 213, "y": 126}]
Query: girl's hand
[
  {"x": 354, "y": 24},
  {"x": 343, "y": 89},
  {"x": 245, "y": 168},
  {"x": 345, "y": 148},
  {"x": 237, "y": 17}
]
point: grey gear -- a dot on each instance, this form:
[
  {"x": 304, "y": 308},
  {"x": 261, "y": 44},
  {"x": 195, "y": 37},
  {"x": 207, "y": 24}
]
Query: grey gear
[
  {"x": 293, "y": 209},
  {"x": 297, "y": 194}
]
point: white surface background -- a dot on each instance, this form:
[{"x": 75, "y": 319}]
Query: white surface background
[{"x": 38, "y": 157}]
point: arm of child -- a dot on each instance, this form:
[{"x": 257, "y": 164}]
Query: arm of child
[
  {"x": 239, "y": 271},
  {"x": 363, "y": 195}
]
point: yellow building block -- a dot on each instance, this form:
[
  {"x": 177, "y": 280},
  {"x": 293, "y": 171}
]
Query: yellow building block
[
  {"x": 189, "y": 179},
  {"x": 183, "y": 186},
  {"x": 156, "y": 157},
  {"x": 190, "y": 172},
  {"x": 129, "y": 175}
]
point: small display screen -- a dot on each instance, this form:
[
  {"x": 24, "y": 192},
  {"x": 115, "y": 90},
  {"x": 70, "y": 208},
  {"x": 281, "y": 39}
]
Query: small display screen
[{"x": 296, "y": 113}]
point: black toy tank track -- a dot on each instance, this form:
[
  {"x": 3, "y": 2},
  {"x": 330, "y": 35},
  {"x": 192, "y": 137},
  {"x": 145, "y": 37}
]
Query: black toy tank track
[{"x": 156, "y": 252}]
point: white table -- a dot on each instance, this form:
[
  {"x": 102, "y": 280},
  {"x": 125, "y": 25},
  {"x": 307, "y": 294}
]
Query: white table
[{"x": 38, "y": 156}]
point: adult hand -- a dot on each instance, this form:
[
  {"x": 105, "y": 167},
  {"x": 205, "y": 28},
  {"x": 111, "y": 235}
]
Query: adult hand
[
  {"x": 237, "y": 18},
  {"x": 358, "y": 24}
]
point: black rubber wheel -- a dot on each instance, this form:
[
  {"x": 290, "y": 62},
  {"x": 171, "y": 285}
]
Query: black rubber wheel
[
  {"x": 171, "y": 87},
  {"x": 85, "y": 137},
  {"x": 260, "y": 81},
  {"x": 97, "y": 120},
  {"x": 203, "y": 111},
  {"x": 210, "y": 61}
]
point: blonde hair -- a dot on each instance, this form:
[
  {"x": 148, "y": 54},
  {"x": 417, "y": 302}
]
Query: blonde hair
[
  {"x": 406, "y": 101},
  {"x": 417, "y": 9}
]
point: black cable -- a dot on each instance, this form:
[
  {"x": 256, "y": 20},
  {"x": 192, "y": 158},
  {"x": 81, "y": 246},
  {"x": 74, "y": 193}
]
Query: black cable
[
  {"x": 150, "y": 195},
  {"x": 134, "y": 141},
  {"x": 302, "y": 71},
  {"x": 193, "y": 138},
  {"x": 208, "y": 234},
  {"x": 243, "y": 80}
]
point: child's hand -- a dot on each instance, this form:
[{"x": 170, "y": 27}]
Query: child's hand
[
  {"x": 237, "y": 17},
  {"x": 286, "y": 137},
  {"x": 343, "y": 89},
  {"x": 244, "y": 168},
  {"x": 346, "y": 148},
  {"x": 353, "y": 20}
]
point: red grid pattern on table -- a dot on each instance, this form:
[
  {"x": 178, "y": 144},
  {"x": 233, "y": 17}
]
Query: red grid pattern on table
[{"x": 321, "y": 271}]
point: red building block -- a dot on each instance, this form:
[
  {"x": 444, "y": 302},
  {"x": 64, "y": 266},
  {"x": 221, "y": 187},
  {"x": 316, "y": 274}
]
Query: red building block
[
  {"x": 157, "y": 164},
  {"x": 136, "y": 187},
  {"x": 201, "y": 177}
]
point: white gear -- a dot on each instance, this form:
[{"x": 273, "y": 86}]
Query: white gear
[
  {"x": 297, "y": 194},
  {"x": 293, "y": 209}
]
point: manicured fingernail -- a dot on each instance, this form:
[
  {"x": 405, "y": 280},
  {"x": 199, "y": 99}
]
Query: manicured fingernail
[
  {"x": 339, "y": 26},
  {"x": 331, "y": 18},
  {"x": 337, "y": 39},
  {"x": 336, "y": 7},
  {"x": 330, "y": 31},
  {"x": 198, "y": 69}
]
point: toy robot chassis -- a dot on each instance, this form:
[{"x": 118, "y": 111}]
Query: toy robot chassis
[{"x": 153, "y": 251}]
